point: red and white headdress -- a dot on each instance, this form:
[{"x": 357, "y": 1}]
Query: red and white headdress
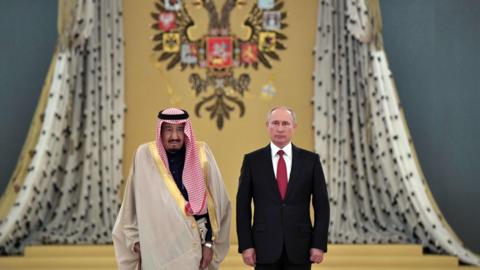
[{"x": 192, "y": 177}]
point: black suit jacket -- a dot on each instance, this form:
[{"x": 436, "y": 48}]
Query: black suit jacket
[{"x": 278, "y": 223}]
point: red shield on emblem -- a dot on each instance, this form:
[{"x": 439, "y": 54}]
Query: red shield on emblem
[
  {"x": 167, "y": 21},
  {"x": 219, "y": 52}
]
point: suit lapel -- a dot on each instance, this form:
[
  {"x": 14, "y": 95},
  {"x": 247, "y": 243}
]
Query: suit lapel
[
  {"x": 270, "y": 174},
  {"x": 294, "y": 171},
  {"x": 292, "y": 180}
]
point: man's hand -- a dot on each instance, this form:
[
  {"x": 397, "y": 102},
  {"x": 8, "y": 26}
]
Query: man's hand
[
  {"x": 316, "y": 255},
  {"x": 207, "y": 255},
  {"x": 136, "y": 249},
  {"x": 249, "y": 257}
]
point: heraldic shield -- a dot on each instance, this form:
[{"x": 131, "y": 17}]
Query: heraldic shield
[{"x": 219, "y": 52}]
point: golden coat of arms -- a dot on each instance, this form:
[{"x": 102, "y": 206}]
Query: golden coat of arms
[{"x": 219, "y": 52}]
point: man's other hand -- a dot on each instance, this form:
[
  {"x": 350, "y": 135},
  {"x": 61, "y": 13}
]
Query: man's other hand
[
  {"x": 316, "y": 255},
  {"x": 249, "y": 257},
  {"x": 207, "y": 255}
]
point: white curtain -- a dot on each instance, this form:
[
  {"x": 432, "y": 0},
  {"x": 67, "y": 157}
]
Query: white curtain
[
  {"x": 376, "y": 187},
  {"x": 70, "y": 194}
]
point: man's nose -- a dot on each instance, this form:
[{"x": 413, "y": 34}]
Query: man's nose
[{"x": 175, "y": 135}]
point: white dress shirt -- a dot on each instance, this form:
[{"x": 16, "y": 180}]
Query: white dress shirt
[{"x": 287, "y": 157}]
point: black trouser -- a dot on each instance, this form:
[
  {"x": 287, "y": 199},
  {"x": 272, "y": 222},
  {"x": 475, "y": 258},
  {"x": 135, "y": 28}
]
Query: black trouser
[{"x": 283, "y": 263}]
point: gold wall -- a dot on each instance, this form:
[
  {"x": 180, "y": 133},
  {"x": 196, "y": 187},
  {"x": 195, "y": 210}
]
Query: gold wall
[{"x": 149, "y": 87}]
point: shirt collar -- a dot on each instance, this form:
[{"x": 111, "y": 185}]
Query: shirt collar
[{"x": 287, "y": 149}]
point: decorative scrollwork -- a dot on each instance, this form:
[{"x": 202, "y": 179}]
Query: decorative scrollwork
[{"x": 219, "y": 52}]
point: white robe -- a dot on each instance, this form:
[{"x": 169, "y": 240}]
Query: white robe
[{"x": 152, "y": 213}]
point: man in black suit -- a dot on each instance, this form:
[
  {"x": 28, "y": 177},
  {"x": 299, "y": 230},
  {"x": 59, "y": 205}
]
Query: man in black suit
[{"x": 282, "y": 180}]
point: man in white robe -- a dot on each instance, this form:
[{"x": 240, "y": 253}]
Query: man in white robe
[{"x": 172, "y": 220}]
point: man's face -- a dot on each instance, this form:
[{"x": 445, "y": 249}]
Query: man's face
[
  {"x": 172, "y": 136},
  {"x": 281, "y": 127}
]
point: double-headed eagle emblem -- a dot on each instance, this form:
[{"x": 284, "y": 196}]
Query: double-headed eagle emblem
[{"x": 219, "y": 52}]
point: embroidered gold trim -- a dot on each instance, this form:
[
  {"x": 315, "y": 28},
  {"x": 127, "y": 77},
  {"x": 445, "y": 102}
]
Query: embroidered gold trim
[
  {"x": 212, "y": 213},
  {"x": 177, "y": 195},
  {"x": 169, "y": 182}
]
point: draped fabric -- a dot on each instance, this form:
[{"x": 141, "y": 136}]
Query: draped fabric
[
  {"x": 377, "y": 190},
  {"x": 153, "y": 214},
  {"x": 18, "y": 176},
  {"x": 70, "y": 188}
]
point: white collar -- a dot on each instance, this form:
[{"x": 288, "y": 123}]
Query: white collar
[{"x": 287, "y": 149}]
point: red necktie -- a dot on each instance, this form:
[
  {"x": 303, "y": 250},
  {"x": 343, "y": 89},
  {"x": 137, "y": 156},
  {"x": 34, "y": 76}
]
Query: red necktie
[{"x": 282, "y": 174}]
